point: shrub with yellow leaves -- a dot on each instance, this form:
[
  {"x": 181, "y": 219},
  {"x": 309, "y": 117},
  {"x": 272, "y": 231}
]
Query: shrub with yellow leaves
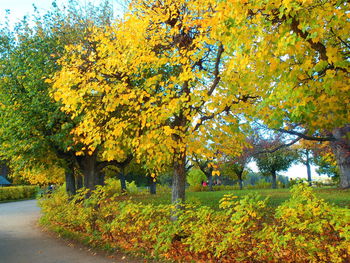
[{"x": 303, "y": 229}]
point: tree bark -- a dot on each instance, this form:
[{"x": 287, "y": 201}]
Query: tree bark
[
  {"x": 152, "y": 187},
  {"x": 122, "y": 179},
  {"x": 308, "y": 167},
  {"x": 89, "y": 171},
  {"x": 240, "y": 180},
  {"x": 274, "y": 179},
  {"x": 79, "y": 181},
  {"x": 70, "y": 182},
  {"x": 179, "y": 181},
  {"x": 99, "y": 178},
  {"x": 210, "y": 180},
  {"x": 341, "y": 150}
]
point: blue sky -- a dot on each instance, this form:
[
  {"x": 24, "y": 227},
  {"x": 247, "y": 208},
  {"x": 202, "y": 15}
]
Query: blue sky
[{"x": 20, "y": 8}]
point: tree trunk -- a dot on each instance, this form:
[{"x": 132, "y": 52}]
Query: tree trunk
[
  {"x": 99, "y": 178},
  {"x": 274, "y": 179},
  {"x": 70, "y": 182},
  {"x": 102, "y": 178},
  {"x": 122, "y": 179},
  {"x": 179, "y": 181},
  {"x": 152, "y": 187},
  {"x": 4, "y": 170},
  {"x": 210, "y": 180},
  {"x": 90, "y": 173},
  {"x": 79, "y": 181},
  {"x": 341, "y": 150},
  {"x": 308, "y": 167},
  {"x": 240, "y": 180}
]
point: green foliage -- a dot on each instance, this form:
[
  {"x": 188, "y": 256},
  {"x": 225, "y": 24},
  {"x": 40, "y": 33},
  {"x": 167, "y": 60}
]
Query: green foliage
[
  {"x": 35, "y": 133},
  {"x": 18, "y": 192},
  {"x": 163, "y": 188},
  {"x": 261, "y": 184},
  {"x": 195, "y": 177},
  {"x": 325, "y": 166},
  {"x": 303, "y": 229},
  {"x": 309, "y": 229},
  {"x": 277, "y": 161},
  {"x": 113, "y": 187}
]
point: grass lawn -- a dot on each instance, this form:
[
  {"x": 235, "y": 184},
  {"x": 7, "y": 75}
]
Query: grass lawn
[{"x": 277, "y": 196}]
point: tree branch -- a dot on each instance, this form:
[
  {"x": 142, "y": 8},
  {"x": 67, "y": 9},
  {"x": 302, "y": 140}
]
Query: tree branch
[
  {"x": 227, "y": 109},
  {"x": 122, "y": 164},
  {"x": 216, "y": 70},
  {"x": 307, "y": 137},
  {"x": 278, "y": 147},
  {"x": 318, "y": 46}
]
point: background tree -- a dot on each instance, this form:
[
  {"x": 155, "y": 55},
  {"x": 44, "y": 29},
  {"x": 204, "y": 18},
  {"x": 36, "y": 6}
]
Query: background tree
[
  {"x": 270, "y": 163},
  {"x": 306, "y": 151},
  {"x": 196, "y": 177},
  {"x": 35, "y": 134},
  {"x": 207, "y": 167},
  {"x": 298, "y": 52},
  {"x": 325, "y": 161},
  {"x": 236, "y": 165}
]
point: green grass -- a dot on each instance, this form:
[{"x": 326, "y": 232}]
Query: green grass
[{"x": 276, "y": 196}]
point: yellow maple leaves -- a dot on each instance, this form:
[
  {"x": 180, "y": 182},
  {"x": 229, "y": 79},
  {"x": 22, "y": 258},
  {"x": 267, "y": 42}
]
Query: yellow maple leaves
[
  {"x": 157, "y": 80},
  {"x": 301, "y": 57}
]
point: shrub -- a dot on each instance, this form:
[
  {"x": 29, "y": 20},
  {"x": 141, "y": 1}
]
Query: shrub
[
  {"x": 307, "y": 228},
  {"x": 261, "y": 184},
  {"x": 303, "y": 229},
  {"x": 195, "y": 177},
  {"x": 113, "y": 187},
  {"x": 18, "y": 192}
]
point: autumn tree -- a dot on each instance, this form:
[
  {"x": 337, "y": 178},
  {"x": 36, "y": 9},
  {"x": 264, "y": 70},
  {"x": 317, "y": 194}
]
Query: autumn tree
[
  {"x": 149, "y": 83},
  {"x": 35, "y": 133},
  {"x": 232, "y": 161},
  {"x": 298, "y": 52}
]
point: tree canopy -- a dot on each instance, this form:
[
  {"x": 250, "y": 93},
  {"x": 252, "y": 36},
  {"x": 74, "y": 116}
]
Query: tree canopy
[{"x": 171, "y": 80}]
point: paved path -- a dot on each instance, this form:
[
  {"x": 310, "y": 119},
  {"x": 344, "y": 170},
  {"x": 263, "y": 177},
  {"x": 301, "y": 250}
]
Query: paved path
[{"x": 22, "y": 241}]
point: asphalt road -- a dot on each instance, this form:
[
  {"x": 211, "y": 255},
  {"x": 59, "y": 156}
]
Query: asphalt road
[{"x": 22, "y": 241}]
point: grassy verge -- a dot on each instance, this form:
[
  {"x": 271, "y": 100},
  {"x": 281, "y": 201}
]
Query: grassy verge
[{"x": 276, "y": 196}]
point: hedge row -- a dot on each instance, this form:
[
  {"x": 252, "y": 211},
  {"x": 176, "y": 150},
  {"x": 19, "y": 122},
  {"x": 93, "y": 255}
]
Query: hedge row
[
  {"x": 303, "y": 229},
  {"x": 18, "y": 192}
]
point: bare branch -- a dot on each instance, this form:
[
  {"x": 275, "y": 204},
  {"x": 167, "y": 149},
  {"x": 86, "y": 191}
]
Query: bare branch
[
  {"x": 216, "y": 70},
  {"x": 278, "y": 147},
  {"x": 307, "y": 137},
  {"x": 122, "y": 164}
]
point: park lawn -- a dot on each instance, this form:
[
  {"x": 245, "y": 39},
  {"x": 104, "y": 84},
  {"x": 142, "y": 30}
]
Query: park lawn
[{"x": 276, "y": 196}]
